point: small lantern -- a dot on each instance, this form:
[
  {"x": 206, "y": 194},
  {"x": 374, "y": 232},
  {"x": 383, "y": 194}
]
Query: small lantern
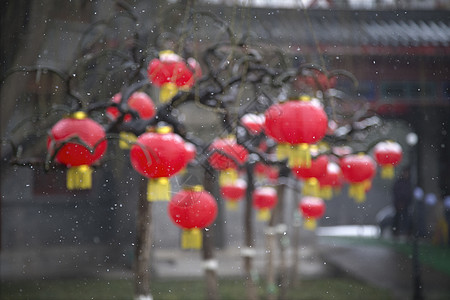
[
  {"x": 332, "y": 180},
  {"x": 265, "y": 172},
  {"x": 158, "y": 156},
  {"x": 388, "y": 154},
  {"x": 296, "y": 125},
  {"x": 226, "y": 152},
  {"x": 233, "y": 192},
  {"x": 77, "y": 142},
  {"x": 253, "y": 122},
  {"x": 171, "y": 73},
  {"x": 358, "y": 169},
  {"x": 312, "y": 208},
  {"x": 142, "y": 104},
  {"x": 264, "y": 199},
  {"x": 192, "y": 209},
  {"x": 310, "y": 175}
]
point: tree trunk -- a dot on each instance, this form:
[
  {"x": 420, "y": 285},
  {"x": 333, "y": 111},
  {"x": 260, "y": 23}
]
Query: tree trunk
[
  {"x": 282, "y": 242},
  {"x": 210, "y": 263},
  {"x": 249, "y": 251},
  {"x": 295, "y": 241},
  {"x": 143, "y": 245}
]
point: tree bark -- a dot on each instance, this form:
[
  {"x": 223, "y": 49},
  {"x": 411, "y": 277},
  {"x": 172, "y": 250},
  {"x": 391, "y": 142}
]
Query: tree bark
[{"x": 143, "y": 245}]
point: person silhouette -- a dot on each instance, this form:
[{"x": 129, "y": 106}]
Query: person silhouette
[{"x": 402, "y": 192}]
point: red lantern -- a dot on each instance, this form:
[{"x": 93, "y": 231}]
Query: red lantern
[
  {"x": 233, "y": 192},
  {"x": 331, "y": 180},
  {"x": 318, "y": 80},
  {"x": 312, "y": 208},
  {"x": 264, "y": 199},
  {"x": 158, "y": 156},
  {"x": 265, "y": 172},
  {"x": 78, "y": 142},
  {"x": 311, "y": 175},
  {"x": 388, "y": 154},
  {"x": 254, "y": 123},
  {"x": 296, "y": 124},
  {"x": 225, "y": 162},
  {"x": 192, "y": 209},
  {"x": 191, "y": 151},
  {"x": 170, "y": 72},
  {"x": 358, "y": 170}
]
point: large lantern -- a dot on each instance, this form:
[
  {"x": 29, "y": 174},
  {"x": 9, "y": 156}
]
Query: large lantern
[
  {"x": 142, "y": 104},
  {"x": 77, "y": 142},
  {"x": 310, "y": 175},
  {"x": 295, "y": 125},
  {"x": 388, "y": 154},
  {"x": 331, "y": 180},
  {"x": 312, "y": 208},
  {"x": 233, "y": 192},
  {"x": 358, "y": 169},
  {"x": 253, "y": 122},
  {"x": 192, "y": 209},
  {"x": 264, "y": 199},
  {"x": 158, "y": 156},
  {"x": 226, "y": 154},
  {"x": 170, "y": 72}
]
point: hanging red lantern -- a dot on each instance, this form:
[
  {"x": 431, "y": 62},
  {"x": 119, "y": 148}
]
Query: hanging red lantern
[
  {"x": 318, "y": 80},
  {"x": 77, "y": 142},
  {"x": 358, "y": 169},
  {"x": 170, "y": 72},
  {"x": 142, "y": 104},
  {"x": 253, "y": 122},
  {"x": 310, "y": 175},
  {"x": 265, "y": 172},
  {"x": 312, "y": 208},
  {"x": 226, "y": 152},
  {"x": 158, "y": 156},
  {"x": 233, "y": 192},
  {"x": 296, "y": 125},
  {"x": 192, "y": 209},
  {"x": 332, "y": 180},
  {"x": 388, "y": 154},
  {"x": 264, "y": 199}
]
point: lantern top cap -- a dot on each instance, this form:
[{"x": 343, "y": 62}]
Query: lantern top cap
[
  {"x": 78, "y": 115},
  {"x": 163, "y": 52},
  {"x": 164, "y": 129},
  {"x": 305, "y": 98},
  {"x": 194, "y": 188}
]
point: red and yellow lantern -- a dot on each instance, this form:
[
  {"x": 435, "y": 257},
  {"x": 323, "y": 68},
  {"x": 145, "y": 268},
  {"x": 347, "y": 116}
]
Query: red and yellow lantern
[
  {"x": 358, "y": 169},
  {"x": 332, "y": 180},
  {"x": 264, "y": 199},
  {"x": 77, "y": 142},
  {"x": 388, "y": 154},
  {"x": 170, "y": 73},
  {"x": 295, "y": 125},
  {"x": 192, "y": 209},
  {"x": 226, "y": 152},
  {"x": 312, "y": 208},
  {"x": 233, "y": 193},
  {"x": 158, "y": 156},
  {"x": 311, "y": 175}
]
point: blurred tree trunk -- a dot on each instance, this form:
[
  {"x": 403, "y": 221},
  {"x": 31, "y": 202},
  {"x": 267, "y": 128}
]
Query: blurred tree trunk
[
  {"x": 143, "y": 244},
  {"x": 295, "y": 240}
]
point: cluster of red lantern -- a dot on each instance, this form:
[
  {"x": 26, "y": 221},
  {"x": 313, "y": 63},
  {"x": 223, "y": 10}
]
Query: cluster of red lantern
[
  {"x": 227, "y": 156},
  {"x": 77, "y": 142},
  {"x": 233, "y": 192},
  {"x": 158, "y": 156},
  {"x": 142, "y": 104},
  {"x": 358, "y": 169},
  {"x": 170, "y": 73},
  {"x": 295, "y": 125},
  {"x": 264, "y": 199},
  {"x": 388, "y": 154},
  {"x": 265, "y": 172},
  {"x": 192, "y": 209},
  {"x": 312, "y": 208},
  {"x": 332, "y": 180},
  {"x": 312, "y": 174}
]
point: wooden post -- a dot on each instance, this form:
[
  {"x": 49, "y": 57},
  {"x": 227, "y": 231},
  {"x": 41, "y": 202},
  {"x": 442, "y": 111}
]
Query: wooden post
[{"x": 143, "y": 245}]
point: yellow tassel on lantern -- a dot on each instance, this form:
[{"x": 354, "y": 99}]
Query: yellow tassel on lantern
[
  {"x": 299, "y": 156},
  {"x": 167, "y": 92},
  {"x": 311, "y": 187},
  {"x": 79, "y": 178},
  {"x": 387, "y": 171},
  {"x": 191, "y": 239},
  {"x": 358, "y": 191},
  {"x": 310, "y": 223},
  {"x": 263, "y": 214},
  {"x": 282, "y": 151},
  {"x": 231, "y": 205},
  {"x": 126, "y": 139},
  {"x": 228, "y": 176},
  {"x": 158, "y": 189},
  {"x": 326, "y": 192}
]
